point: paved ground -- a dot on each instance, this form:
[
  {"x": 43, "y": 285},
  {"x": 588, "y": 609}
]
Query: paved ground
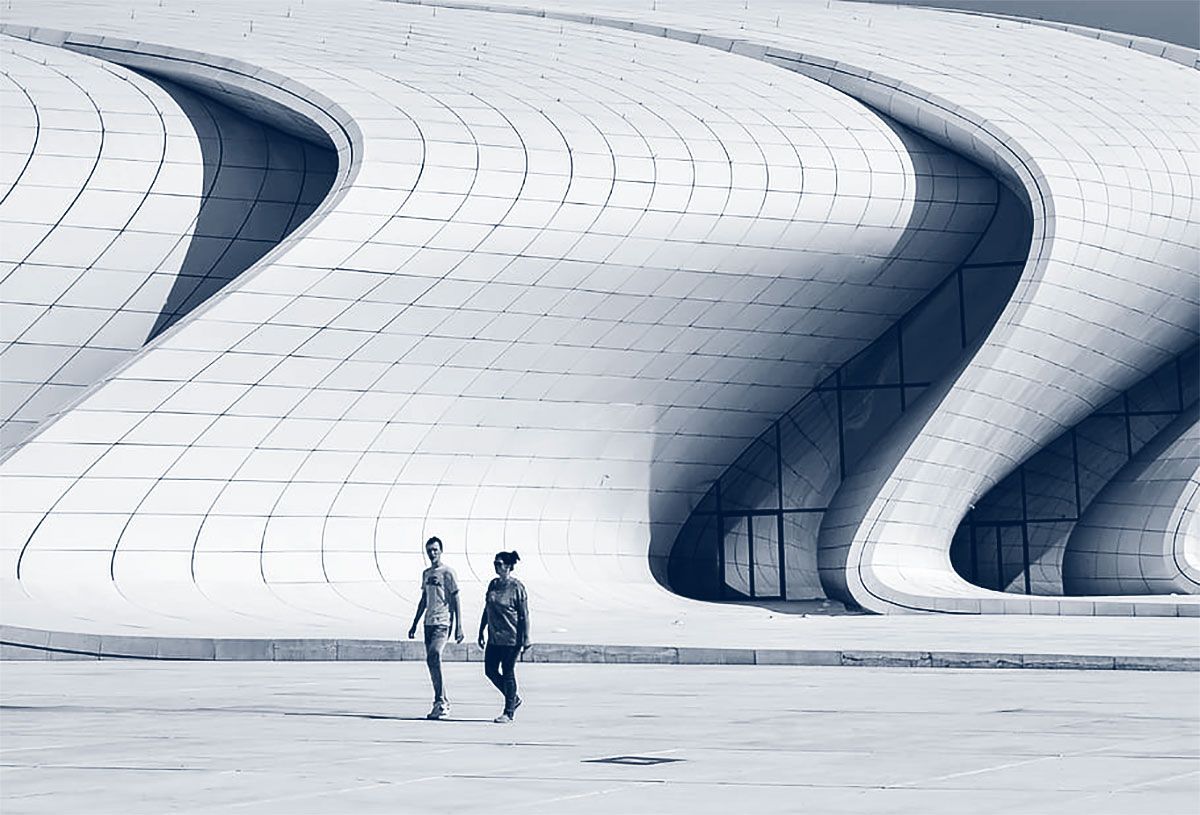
[{"x": 120, "y": 737}]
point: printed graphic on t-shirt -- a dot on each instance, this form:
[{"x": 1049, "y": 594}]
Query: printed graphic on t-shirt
[{"x": 439, "y": 585}]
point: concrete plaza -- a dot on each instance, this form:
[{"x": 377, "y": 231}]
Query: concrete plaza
[{"x": 139, "y": 737}]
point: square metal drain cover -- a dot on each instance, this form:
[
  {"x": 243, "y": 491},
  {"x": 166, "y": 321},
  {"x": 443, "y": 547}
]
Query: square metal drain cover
[{"x": 633, "y": 761}]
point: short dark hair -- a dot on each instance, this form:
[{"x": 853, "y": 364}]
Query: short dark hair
[
  {"x": 437, "y": 540},
  {"x": 508, "y": 558}
]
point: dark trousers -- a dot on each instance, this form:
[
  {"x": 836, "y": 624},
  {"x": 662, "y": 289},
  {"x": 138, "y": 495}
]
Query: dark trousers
[{"x": 498, "y": 663}]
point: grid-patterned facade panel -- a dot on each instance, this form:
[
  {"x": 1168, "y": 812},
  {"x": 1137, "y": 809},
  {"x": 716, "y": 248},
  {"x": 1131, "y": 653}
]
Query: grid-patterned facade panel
[
  {"x": 127, "y": 203},
  {"x": 540, "y": 320}
]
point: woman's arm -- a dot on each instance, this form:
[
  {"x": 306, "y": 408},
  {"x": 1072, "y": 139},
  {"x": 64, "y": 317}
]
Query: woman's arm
[
  {"x": 523, "y": 619},
  {"x": 482, "y": 625}
]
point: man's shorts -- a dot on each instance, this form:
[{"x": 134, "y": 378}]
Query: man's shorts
[{"x": 435, "y": 639}]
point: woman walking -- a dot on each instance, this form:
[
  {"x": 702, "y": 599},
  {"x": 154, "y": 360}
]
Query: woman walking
[{"x": 506, "y": 620}]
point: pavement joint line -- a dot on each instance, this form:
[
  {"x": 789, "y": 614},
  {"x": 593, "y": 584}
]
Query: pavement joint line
[
  {"x": 323, "y": 793},
  {"x": 1163, "y": 780},
  {"x": 1006, "y": 765},
  {"x": 544, "y": 801}
]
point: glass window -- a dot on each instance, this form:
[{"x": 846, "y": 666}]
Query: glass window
[
  {"x": 931, "y": 334},
  {"x": 1012, "y": 559},
  {"x": 751, "y": 483},
  {"x": 1047, "y": 542},
  {"x": 866, "y": 416},
  {"x": 765, "y": 529},
  {"x": 800, "y": 530},
  {"x": 1144, "y": 428},
  {"x": 1157, "y": 392},
  {"x": 985, "y": 293},
  {"x": 809, "y": 450},
  {"x": 1050, "y": 481},
  {"x": 736, "y": 542},
  {"x": 1101, "y": 445},
  {"x": 1113, "y": 407},
  {"x": 878, "y": 364},
  {"x": 989, "y": 567}
]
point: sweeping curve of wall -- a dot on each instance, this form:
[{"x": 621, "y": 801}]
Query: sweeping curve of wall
[
  {"x": 611, "y": 269},
  {"x": 130, "y": 202},
  {"x": 1107, "y": 295},
  {"x": 1091, "y": 313},
  {"x": 566, "y": 283}
]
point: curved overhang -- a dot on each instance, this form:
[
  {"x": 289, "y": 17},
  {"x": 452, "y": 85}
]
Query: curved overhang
[{"x": 136, "y": 200}]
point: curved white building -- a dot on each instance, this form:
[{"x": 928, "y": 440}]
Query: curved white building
[{"x": 538, "y": 280}]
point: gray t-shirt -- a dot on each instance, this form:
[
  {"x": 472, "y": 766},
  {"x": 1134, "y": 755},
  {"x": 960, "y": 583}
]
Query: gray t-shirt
[
  {"x": 507, "y": 612},
  {"x": 439, "y": 585}
]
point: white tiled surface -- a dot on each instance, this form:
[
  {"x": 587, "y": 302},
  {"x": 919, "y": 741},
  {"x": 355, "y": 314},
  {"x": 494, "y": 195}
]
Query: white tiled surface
[
  {"x": 89, "y": 250},
  {"x": 1104, "y": 140},
  {"x": 570, "y": 274},
  {"x": 1142, "y": 533},
  {"x": 568, "y": 262},
  {"x": 103, "y": 241}
]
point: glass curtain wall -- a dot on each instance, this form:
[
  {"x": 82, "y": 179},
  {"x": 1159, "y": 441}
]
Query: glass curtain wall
[
  {"x": 1014, "y": 538},
  {"x": 754, "y": 534}
]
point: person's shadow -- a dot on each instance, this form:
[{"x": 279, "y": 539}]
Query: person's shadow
[{"x": 385, "y": 717}]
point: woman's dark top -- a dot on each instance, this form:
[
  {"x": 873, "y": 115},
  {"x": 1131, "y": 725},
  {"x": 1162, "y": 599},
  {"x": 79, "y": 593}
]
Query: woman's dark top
[{"x": 507, "y": 612}]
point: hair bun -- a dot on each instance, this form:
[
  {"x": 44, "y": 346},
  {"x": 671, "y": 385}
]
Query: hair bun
[{"x": 515, "y": 556}]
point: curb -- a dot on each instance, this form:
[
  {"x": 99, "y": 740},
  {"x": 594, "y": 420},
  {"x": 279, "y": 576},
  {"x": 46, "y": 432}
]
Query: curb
[{"x": 20, "y": 644}]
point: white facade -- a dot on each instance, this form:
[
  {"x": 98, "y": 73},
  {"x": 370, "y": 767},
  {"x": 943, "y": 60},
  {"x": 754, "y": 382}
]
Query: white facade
[
  {"x": 129, "y": 202},
  {"x": 567, "y": 272}
]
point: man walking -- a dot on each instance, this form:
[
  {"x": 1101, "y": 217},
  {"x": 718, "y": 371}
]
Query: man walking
[{"x": 439, "y": 604}]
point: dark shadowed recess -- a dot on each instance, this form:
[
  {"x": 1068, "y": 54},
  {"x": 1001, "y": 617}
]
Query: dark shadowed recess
[
  {"x": 260, "y": 183},
  {"x": 753, "y": 537},
  {"x": 1015, "y": 536}
]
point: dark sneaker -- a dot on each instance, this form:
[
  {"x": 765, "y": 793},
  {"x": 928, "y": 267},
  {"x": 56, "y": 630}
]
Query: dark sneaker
[{"x": 439, "y": 711}]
